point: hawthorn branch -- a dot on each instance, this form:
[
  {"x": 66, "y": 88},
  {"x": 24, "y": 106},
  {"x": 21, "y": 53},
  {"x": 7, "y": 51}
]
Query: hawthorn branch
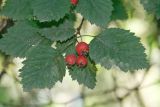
[
  {"x": 81, "y": 96},
  {"x": 2, "y": 74},
  {"x": 102, "y": 103},
  {"x": 69, "y": 101},
  {"x": 150, "y": 84},
  {"x": 139, "y": 98},
  {"x": 115, "y": 88},
  {"x": 79, "y": 29}
]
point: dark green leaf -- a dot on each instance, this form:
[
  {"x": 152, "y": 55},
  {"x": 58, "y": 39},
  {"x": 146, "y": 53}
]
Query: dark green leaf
[
  {"x": 119, "y": 11},
  {"x": 47, "y": 10},
  {"x": 61, "y": 33},
  {"x": 118, "y": 47},
  {"x": 68, "y": 46},
  {"x": 43, "y": 68},
  {"x": 152, "y": 6},
  {"x": 20, "y": 39},
  {"x": 86, "y": 76},
  {"x": 17, "y": 9},
  {"x": 96, "y": 11}
]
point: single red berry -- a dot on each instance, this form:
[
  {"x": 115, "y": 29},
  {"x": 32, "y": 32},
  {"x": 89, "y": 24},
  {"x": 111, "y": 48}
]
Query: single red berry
[
  {"x": 74, "y": 2},
  {"x": 81, "y": 61},
  {"x": 70, "y": 59},
  {"x": 82, "y": 48}
]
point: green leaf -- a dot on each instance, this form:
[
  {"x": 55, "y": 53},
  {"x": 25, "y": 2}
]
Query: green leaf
[
  {"x": 47, "y": 10},
  {"x": 118, "y": 47},
  {"x": 96, "y": 11},
  {"x": 119, "y": 11},
  {"x": 61, "y": 33},
  {"x": 43, "y": 68},
  {"x": 85, "y": 76},
  {"x": 17, "y": 9},
  {"x": 68, "y": 46},
  {"x": 20, "y": 39},
  {"x": 152, "y": 6}
]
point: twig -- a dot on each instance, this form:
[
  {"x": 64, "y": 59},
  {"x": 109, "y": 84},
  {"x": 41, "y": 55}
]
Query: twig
[
  {"x": 150, "y": 84},
  {"x": 2, "y": 73},
  {"x": 69, "y": 101},
  {"x": 139, "y": 98},
  {"x": 80, "y": 26},
  {"x": 79, "y": 29},
  {"x": 83, "y": 95},
  {"x": 120, "y": 100},
  {"x": 102, "y": 103}
]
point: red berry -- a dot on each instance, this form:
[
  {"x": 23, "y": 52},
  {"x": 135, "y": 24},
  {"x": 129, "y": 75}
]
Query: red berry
[
  {"x": 70, "y": 59},
  {"x": 74, "y": 2},
  {"x": 81, "y": 61},
  {"x": 82, "y": 48}
]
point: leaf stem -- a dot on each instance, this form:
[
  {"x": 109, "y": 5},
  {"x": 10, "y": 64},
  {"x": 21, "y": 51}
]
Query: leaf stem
[
  {"x": 62, "y": 50},
  {"x": 86, "y": 36}
]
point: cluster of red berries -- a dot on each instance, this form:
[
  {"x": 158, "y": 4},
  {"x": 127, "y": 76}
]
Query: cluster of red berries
[
  {"x": 81, "y": 61},
  {"x": 74, "y": 2}
]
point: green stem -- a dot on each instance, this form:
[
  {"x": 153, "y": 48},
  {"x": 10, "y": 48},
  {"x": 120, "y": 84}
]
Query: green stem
[
  {"x": 86, "y": 36},
  {"x": 62, "y": 50}
]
